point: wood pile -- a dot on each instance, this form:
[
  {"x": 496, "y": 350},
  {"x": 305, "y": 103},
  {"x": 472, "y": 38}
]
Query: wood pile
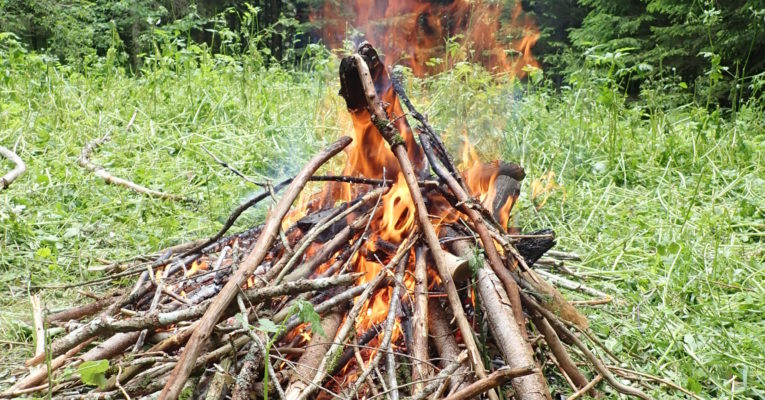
[{"x": 398, "y": 280}]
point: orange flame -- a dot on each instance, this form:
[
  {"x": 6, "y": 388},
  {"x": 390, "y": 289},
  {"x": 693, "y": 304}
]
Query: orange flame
[
  {"x": 480, "y": 178},
  {"x": 196, "y": 266},
  {"x": 394, "y": 219},
  {"x": 424, "y": 34}
]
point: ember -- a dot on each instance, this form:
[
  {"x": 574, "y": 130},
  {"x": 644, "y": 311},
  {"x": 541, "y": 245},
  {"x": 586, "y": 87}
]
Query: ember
[{"x": 381, "y": 254}]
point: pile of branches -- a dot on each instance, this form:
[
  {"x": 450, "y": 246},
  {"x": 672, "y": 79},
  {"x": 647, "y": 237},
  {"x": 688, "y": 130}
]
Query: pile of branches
[{"x": 279, "y": 310}]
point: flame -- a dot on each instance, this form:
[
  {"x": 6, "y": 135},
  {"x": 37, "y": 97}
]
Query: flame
[
  {"x": 394, "y": 217},
  {"x": 543, "y": 187},
  {"x": 426, "y": 34},
  {"x": 398, "y": 212},
  {"x": 480, "y": 178},
  {"x": 196, "y": 267}
]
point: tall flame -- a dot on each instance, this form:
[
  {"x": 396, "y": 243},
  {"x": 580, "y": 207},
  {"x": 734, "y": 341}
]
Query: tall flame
[
  {"x": 394, "y": 217},
  {"x": 425, "y": 33}
]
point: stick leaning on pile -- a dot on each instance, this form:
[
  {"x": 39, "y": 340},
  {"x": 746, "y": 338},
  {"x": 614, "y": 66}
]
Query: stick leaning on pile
[{"x": 205, "y": 325}]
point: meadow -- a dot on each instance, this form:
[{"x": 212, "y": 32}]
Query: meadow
[{"x": 663, "y": 199}]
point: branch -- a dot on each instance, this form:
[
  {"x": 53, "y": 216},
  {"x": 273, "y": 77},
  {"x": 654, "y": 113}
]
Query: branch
[
  {"x": 391, "y": 134},
  {"x": 495, "y": 379},
  {"x": 84, "y": 162},
  {"x": 17, "y": 170}
]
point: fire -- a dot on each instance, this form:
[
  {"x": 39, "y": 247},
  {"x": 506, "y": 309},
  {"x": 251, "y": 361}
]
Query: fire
[
  {"x": 543, "y": 187},
  {"x": 196, "y": 266},
  {"x": 426, "y": 34},
  {"x": 370, "y": 156},
  {"x": 393, "y": 219},
  {"x": 480, "y": 178},
  {"x": 398, "y": 212}
]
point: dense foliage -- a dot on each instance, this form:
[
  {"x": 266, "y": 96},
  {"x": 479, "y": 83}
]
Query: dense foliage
[
  {"x": 714, "y": 45},
  {"x": 711, "y": 47},
  {"x": 79, "y": 31}
]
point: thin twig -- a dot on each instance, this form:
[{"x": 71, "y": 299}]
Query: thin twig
[
  {"x": 232, "y": 169},
  {"x": 84, "y": 162},
  {"x": 119, "y": 385},
  {"x": 386, "y": 339},
  {"x": 586, "y": 388},
  {"x": 625, "y": 372}
]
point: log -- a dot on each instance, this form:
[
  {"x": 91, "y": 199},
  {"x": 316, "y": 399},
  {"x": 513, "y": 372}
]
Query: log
[
  {"x": 506, "y": 333},
  {"x": 505, "y": 187},
  {"x": 535, "y": 245},
  {"x": 446, "y": 344},
  {"x": 315, "y": 350},
  {"x": 184, "y": 366},
  {"x": 421, "y": 370},
  {"x": 458, "y": 267}
]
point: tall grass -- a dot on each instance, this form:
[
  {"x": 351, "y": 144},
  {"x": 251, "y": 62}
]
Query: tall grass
[{"x": 665, "y": 204}]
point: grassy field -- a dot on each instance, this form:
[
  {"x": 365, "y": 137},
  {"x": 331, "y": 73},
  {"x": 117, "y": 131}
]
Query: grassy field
[{"x": 666, "y": 203}]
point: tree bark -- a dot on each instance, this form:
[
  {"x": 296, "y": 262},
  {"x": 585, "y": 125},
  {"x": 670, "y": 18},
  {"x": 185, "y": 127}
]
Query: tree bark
[{"x": 516, "y": 350}]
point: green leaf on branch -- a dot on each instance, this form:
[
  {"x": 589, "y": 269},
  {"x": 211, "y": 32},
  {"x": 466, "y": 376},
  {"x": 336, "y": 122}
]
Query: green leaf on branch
[
  {"x": 307, "y": 314},
  {"x": 92, "y": 373}
]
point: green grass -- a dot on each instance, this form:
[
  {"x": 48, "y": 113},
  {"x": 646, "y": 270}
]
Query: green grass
[{"x": 667, "y": 206}]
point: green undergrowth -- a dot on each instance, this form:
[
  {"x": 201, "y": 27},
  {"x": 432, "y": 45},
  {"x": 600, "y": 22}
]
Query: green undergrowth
[{"x": 666, "y": 204}]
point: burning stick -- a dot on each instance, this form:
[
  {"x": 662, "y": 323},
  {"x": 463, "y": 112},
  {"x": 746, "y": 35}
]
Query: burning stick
[
  {"x": 388, "y": 332},
  {"x": 318, "y": 346},
  {"x": 335, "y": 351},
  {"x": 488, "y": 243},
  {"x": 394, "y": 139}
]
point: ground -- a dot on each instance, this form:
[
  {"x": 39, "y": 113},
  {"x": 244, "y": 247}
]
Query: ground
[{"x": 665, "y": 203}]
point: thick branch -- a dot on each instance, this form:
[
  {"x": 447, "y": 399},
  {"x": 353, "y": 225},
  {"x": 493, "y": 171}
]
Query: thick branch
[
  {"x": 506, "y": 332},
  {"x": 421, "y": 371},
  {"x": 228, "y": 293}
]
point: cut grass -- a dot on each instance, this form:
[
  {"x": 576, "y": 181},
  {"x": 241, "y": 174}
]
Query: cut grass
[{"x": 666, "y": 207}]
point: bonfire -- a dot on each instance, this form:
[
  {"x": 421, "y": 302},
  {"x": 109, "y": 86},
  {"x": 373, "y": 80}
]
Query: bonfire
[{"x": 399, "y": 279}]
